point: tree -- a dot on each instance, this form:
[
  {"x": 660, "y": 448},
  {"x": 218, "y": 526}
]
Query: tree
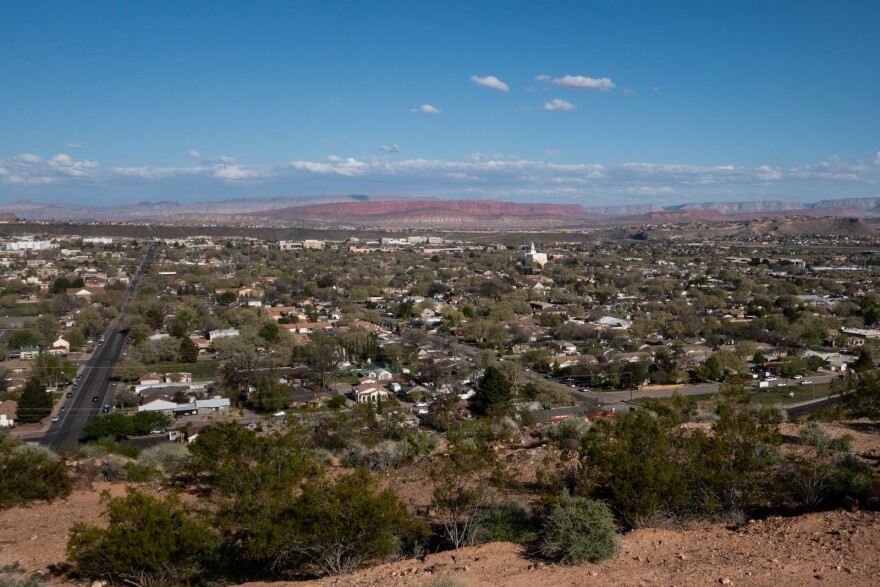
[
  {"x": 338, "y": 525},
  {"x": 270, "y": 332},
  {"x": 129, "y": 369},
  {"x": 90, "y": 321},
  {"x": 323, "y": 355},
  {"x": 52, "y": 369},
  {"x": 635, "y": 465},
  {"x": 34, "y": 403},
  {"x": 47, "y": 327},
  {"x": 116, "y": 426},
  {"x": 189, "y": 352},
  {"x": 864, "y": 362},
  {"x": 460, "y": 488},
  {"x": 149, "y": 540},
  {"x": 860, "y": 392},
  {"x": 493, "y": 392},
  {"x": 23, "y": 338},
  {"x": 145, "y": 422}
]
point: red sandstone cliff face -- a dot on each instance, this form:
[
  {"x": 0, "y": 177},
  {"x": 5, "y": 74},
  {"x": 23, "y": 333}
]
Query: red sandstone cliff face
[{"x": 433, "y": 213}]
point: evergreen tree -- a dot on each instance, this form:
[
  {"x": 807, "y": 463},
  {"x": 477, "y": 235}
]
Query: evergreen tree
[
  {"x": 493, "y": 392},
  {"x": 34, "y": 403},
  {"x": 189, "y": 352}
]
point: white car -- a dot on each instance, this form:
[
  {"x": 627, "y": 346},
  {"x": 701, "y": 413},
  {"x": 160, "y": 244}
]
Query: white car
[
  {"x": 798, "y": 377},
  {"x": 55, "y": 418},
  {"x": 279, "y": 414},
  {"x": 806, "y": 382}
]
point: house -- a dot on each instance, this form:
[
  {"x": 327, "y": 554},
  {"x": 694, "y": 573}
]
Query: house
[
  {"x": 369, "y": 392},
  {"x": 305, "y": 397},
  {"x": 307, "y": 327},
  {"x": 158, "y": 405},
  {"x": 27, "y": 353},
  {"x": 151, "y": 379},
  {"x": 179, "y": 377},
  {"x": 203, "y": 344},
  {"x": 380, "y": 375},
  {"x": 192, "y": 433},
  {"x": 59, "y": 347},
  {"x": 84, "y": 293},
  {"x": 614, "y": 323}
]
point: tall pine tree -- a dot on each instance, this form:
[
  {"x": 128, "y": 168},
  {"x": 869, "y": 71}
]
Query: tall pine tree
[
  {"x": 189, "y": 352},
  {"x": 493, "y": 392},
  {"x": 34, "y": 403}
]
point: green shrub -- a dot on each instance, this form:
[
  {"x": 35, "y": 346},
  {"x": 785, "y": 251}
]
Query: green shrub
[
  {"x": 579, "y": 530},
  {"x": 570, "y": 429},
  {"x": 509, "y": 521},
  {"x": 115, "y": 448},
  {"x": 29, "y": 473},
  {"x": 148, "y": 539},
  {"x": 852, "y": 476},
  {"x": 813, "y": 434},
  {"x": 169, "y": 458},
  {"x": 138, "y": 473}
]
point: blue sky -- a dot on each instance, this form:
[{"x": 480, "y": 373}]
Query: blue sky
[{"x": 607, "y": 102}]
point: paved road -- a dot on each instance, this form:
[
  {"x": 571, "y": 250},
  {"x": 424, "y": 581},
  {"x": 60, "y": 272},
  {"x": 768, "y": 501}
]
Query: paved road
[{"x": 95, "y": 380}]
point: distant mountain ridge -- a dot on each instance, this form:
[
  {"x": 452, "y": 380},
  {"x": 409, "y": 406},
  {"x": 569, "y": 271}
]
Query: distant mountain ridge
[{"x": 330, "y": 211}]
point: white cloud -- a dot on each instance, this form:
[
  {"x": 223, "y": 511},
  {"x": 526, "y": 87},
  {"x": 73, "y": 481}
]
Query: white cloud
[
  {"x": 390, "y": 148},
  {"x": 542, "y": 78},
  {"x": 73, "y": 146},
  {"x": 559, "y": 104},
  {"x": 628, "y": 92},
  {"x": 428, "y": 109},
  {"x": 234, "y": 172},
  {"x": 579, "y": 82},
  {"x": 490, "y": 81},
  {"x": 480, "y": 175},
  {"x": 194, "y": 154}
]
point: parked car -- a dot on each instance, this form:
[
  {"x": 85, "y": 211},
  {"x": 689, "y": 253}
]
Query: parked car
[
  {"x": 95, "y": 398},
  {"x": 69, "y": 394},
  {"x": 798, "y": 377},
  {"x": 55, "y": 418},
  {"x": 158, "y": 431}
]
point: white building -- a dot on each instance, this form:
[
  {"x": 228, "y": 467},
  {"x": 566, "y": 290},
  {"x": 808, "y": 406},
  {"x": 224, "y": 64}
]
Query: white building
[
  {"x": 215, "y": 334},
  {"x": 533, "y": 257},
  {"x": 30, "y": 245}
]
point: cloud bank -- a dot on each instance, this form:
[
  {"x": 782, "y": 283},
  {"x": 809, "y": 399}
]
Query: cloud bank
[{"x": 480, "y": 175}]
